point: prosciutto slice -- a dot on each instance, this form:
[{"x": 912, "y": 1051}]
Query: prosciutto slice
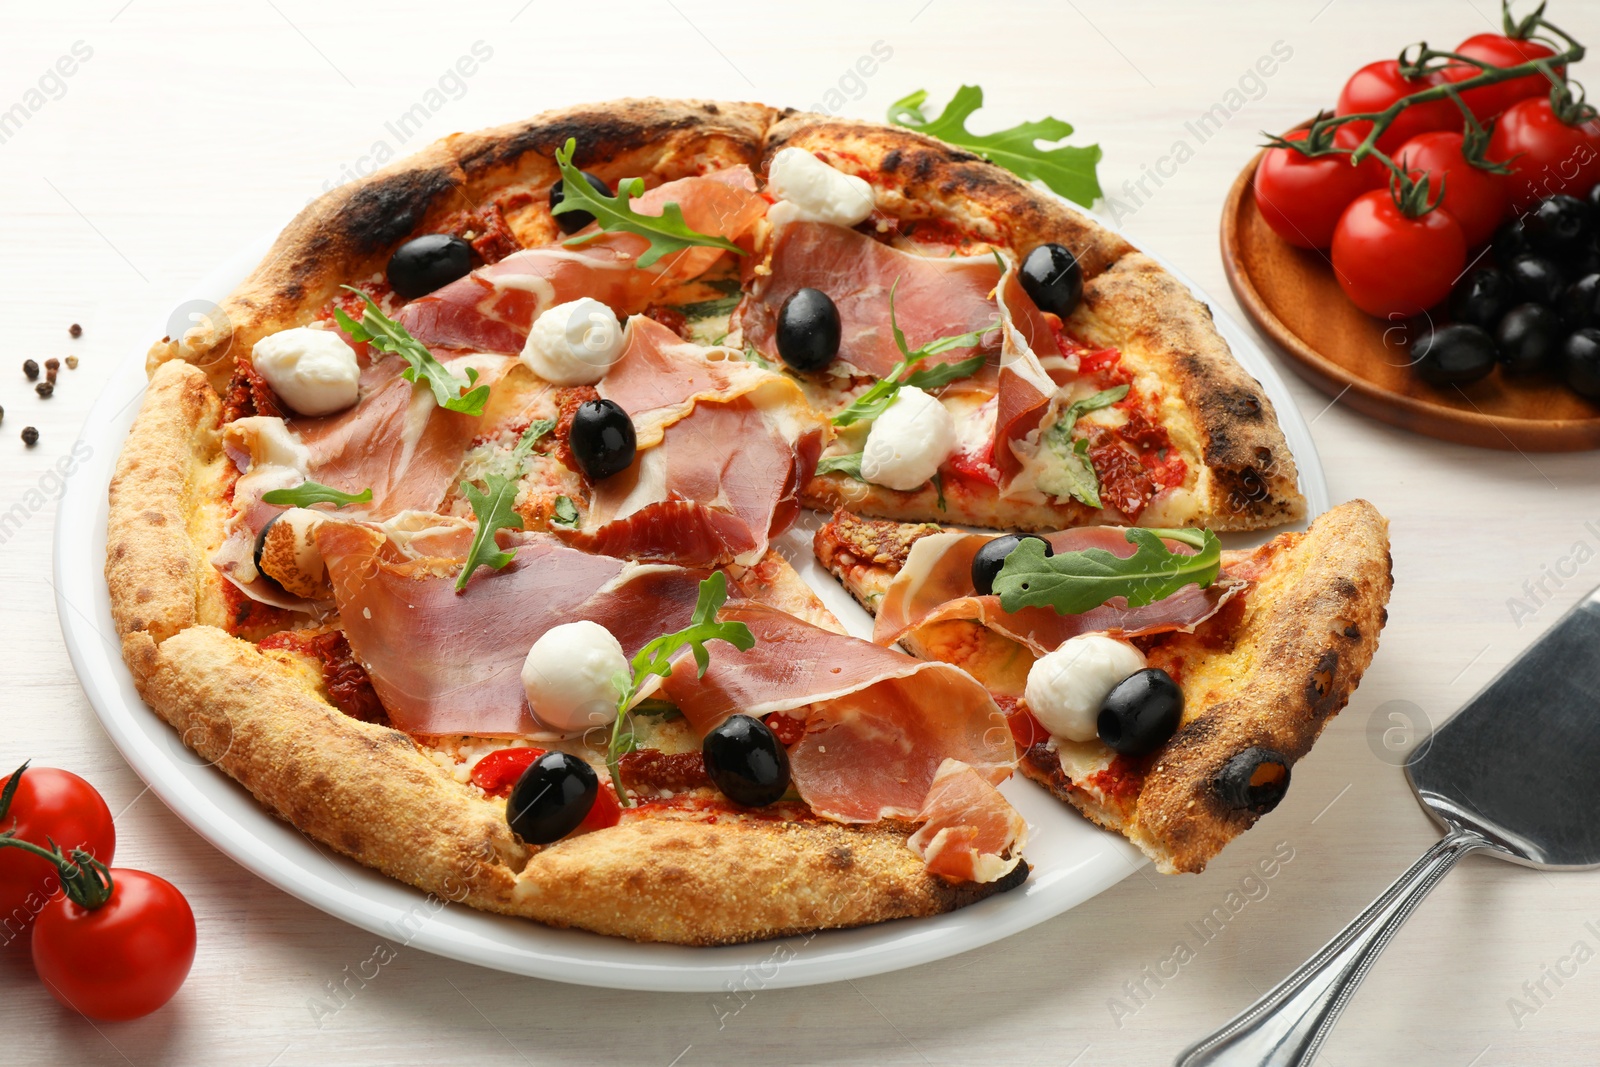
[
  {"x": 935, "y": 584},
  {"x": 492, "y": 309},
  {"x": 969, "y": 832},
  {"x": 1025, "y": 387},
  {"x": 934, "y": 297}
]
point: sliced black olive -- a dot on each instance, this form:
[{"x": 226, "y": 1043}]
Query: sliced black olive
[
  {"x": 551, "y": 798},
  {"x": 429, "y": 262},
  {"x": 573, "y": 221},
  {"x": 1537, "y": 279},
  {"x": 1141, "y": 713},
  {"x": 1558, "y": 226},
  {"x": 1453, "y": 354},
  {"x": 1255, "y": 780},
  {"x": 1510, "y": 241},
  {"x": 1053, "y": 279},
  {"x": 991, "y": 557},
  {"x": 1580, "y": 304},
  {"x": 602, "y": 438},
  {"x": 1580, "y": 362},
  {"x": 1482, "y": 298},
  {"x": 808, "y": 330},
  {"x": 261, "y": 538},
  {"x": 1528, "y": 336},
  {"x": 746, "y": 761}
]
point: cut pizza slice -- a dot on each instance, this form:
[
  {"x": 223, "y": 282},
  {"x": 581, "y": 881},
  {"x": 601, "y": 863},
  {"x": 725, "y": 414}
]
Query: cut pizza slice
[{"x": 1209, "y": 689}]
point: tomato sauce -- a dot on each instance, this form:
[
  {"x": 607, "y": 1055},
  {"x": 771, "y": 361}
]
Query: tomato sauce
[{"x": 349, "y": 688}]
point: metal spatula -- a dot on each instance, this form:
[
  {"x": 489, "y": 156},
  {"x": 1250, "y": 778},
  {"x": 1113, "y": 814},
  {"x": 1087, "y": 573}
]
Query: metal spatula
[{"x": 1515, "y": 774}]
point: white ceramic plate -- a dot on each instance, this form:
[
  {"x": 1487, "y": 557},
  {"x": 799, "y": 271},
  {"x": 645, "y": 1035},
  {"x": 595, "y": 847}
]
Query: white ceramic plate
[{"x": 1072, "y": 860}]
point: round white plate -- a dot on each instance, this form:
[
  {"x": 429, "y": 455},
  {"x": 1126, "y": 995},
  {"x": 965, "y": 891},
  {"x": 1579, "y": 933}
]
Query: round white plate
[{"x": 1072, "y": 860}]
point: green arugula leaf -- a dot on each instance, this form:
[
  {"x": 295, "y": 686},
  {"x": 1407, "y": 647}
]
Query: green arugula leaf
[
  {"x": 752, "y": 356},
  {"x": 1074, "y": 582},
  {"x": 566, "y": 513},
  {"x": 386, "y": 335},
  {"x": 937, "y": 481},
  {"x": 1066, "y": 169},
  {"x": 667, "y": 232},
  {"x": 1074, "y": 475},
  {"x": 850, "y": 464},
  {"x": 308, "y": 492},
  {"x": 494, "y": 507},
  {"x": 655, "y": 660},
  {"x": 878, "y": 397}
]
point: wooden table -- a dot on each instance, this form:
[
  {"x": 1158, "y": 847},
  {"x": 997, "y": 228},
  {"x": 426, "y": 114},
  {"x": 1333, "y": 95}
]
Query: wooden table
[{"x": 192, "y": 128}]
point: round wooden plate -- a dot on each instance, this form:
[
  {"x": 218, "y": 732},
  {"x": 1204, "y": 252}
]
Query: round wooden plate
[{"x": 1292, "y": 294}]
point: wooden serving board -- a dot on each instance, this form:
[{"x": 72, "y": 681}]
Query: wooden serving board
[{"x": 1292, "y": 295}]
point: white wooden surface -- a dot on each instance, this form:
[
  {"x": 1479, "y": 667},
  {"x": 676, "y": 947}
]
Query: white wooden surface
[{"x": 193, "y": 127}]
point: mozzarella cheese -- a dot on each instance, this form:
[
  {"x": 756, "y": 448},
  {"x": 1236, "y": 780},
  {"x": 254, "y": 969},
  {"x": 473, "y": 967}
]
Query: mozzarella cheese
[
  {"x": 312, "y": 370},
  {"x": 908, "y": 441},
  {"x": 568, "y": 676},
  {"x": 573, "y": 343},
  {"x": 269, "y": 441},
  {"x": 1066, "y": 687},
  {"x": 808, "y": 190}
]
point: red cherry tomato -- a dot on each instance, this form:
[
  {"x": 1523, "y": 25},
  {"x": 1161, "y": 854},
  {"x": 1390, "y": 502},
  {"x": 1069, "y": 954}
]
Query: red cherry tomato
[
  {"x": 604, "y": 812},
  {"x": 48, "y": 805},
  {"x": 1389, "y": 264},
  {"x": 497, "y": 772},
  {"x": 1545, "y": 154},
  {"x": 1301, "y": 198},
  {"x": 1500, "y": 51},
  {"x": 123, "y": 959},
  {"x": 1477, "y": 199},
  {"x": 1377, "y": 85}
]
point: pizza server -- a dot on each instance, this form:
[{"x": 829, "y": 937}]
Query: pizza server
[{"x": 1536, "y": 724}]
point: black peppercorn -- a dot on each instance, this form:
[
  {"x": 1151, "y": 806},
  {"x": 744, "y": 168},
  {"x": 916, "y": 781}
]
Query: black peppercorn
[
  {"x": 31, "y": 369},
  {"x": 30, "y": 436}
]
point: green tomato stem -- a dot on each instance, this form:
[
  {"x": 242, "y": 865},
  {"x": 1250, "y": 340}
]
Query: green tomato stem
[{"x": 85, "y": 880}]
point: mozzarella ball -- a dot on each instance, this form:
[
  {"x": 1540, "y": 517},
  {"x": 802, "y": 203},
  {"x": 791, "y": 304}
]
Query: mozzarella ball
[
  {"x": 808, "y": 190},
  {"x": 573, "y": 343},
  {"x": 568, "y": 676},
  {"x": 1067, "y": 686},
  {"x": 313, "y": 371},
  {"x": 908, "y": 441}
]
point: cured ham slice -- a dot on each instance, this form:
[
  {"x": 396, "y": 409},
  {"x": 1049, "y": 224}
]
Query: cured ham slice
[
  {"x": 878, "y": 724},
  {"x": 659, "y": 378},
  {"x": 1025, "y": 387},
  {"x": 934, "y": 298},
  {"x": 935, "y": 584},
  {"x": 492, "y": 309},
  {"x": 969, "y": 831}
]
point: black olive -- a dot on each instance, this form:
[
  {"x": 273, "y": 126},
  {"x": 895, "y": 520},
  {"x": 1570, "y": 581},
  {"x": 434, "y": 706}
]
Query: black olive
[
  {"x": 1254, "y": 780},
  {"x": 991, "y": 557},
  {"x": 808, "y": 330},
  {"x": 573, "y": 221},
  {"x": 1528, "y": 337},
  {"x": 1052, "y": 279},
  {"x": 746, "y": 761},
  {"x": 1141, "y": 712},
  {"x": 429, "y": 262},
  {"x": 1453, "y": 354},
  {"x": 1510, "y": 241},
  {"x": 1580, "y": 304},
  {"x": 1482, "y": 298},
  {"x": 1558, "y": 225},
  {"x": 1594, "y": 197},
  {"x": 261, "y": 538},
  {"x": 1536, "y": 279},
  {"x": 1580, "y": 362},
  {"x": 602, "y": 438},
  {"x": 551, "y": 798},
  {"x": 1583, "y": 260}
]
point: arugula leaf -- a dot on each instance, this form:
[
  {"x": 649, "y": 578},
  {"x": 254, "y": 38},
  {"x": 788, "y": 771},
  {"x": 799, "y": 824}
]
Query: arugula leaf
[
  {"x": 1066, "y": 169},
  {"x": 850, "y": 463},
  {"x": 1074, "y": 582},
  {"x": 877, "y": 398},
  {"x": 386, "y": 335},
  {"x": 494, "y": 507},
  {"x": 752, "y": 356},
  {"x": 308, "y": 492},
  {"x": 566, "y": 513},
  {"x": 655, "y": 659},
  {"x": 1075, "y": 475},
  {"x": 937, "y": 481},
  {"x": 667, "y": 232}
]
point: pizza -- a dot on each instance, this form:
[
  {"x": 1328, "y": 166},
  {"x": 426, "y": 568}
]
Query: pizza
[
  {"x": 450, "y": 534},
  {"x": 1175, "y": 722}
]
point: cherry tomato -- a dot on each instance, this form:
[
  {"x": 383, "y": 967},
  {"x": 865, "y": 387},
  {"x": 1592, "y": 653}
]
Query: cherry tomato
[
  {"x": 48, "y": 805},
  {"x": 497, "y": 772},
  {"x": 1477, "y": 199},
  {"x": 1377, "y": 85},
  {"x": 1301, "y": 198},
  {"x": 604, "y": 812},
  {"x": 1390, "y": 264},
  {"x": 1500, "y": 51},
  {"x": 1546, "y": 155},
  {"x": 123, "y": 959}
]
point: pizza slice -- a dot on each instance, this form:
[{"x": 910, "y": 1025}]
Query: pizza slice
[{"x": 1171, "y": 713}]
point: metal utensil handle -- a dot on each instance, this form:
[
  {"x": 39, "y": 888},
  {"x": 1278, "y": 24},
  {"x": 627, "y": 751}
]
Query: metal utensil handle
[{"x": 1286, "y": 1027}]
